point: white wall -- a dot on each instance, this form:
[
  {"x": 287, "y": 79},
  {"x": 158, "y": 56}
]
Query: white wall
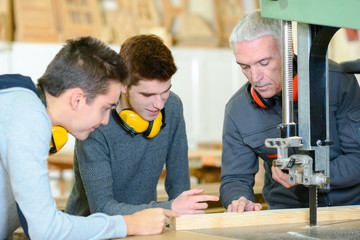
[{"x": 205, "y": 80}]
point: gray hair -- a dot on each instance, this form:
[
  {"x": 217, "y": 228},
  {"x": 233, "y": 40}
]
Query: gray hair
[{"x": 252, "y": 26}]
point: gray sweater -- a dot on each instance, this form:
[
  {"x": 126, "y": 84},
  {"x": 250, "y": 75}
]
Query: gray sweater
[{"x": 117, "y": 173}]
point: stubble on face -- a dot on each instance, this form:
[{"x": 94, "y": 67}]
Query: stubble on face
[{"x": 147, "y": 98}]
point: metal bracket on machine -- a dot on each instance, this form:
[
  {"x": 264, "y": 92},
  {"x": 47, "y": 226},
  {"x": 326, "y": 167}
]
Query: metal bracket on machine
[{"x": 300, "y": 165}]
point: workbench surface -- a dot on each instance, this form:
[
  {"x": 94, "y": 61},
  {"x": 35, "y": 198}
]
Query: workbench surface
[{"x": 345, "y": 230}]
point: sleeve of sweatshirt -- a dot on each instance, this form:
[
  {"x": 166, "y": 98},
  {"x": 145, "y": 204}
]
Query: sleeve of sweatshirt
[
  {"x": 345, "y": 110},
  {"x": 177, "y": 164},
  {"x": 28, "y": 134},
  {"x": 239, "y": 164}
]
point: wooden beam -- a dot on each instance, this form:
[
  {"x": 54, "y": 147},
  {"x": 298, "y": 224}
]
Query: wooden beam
[
  {"x": 35, "y": 21},
  {"x": 266, "y": 217},
  {"x": 79, "y": 18}
]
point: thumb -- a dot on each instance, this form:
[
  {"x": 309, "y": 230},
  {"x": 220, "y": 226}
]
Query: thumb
[{"x": 170, "y": 213}]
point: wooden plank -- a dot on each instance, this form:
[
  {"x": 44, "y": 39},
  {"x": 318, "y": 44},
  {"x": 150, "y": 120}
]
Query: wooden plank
[
  {"x": 79, "y": 18},
  {"x": 192, "y": 30},
  {"x": 6, "y": 21},
  {"x": 267, "y": 217},
  {"x": 170, "y": 12},
  {"x": 145, "y": 13},
  {"x": 35, "y": 21},
  {"x": 226, "y": 15},
  {"x": 116, "y": 16},
  {"x": 300, "y": 231}
]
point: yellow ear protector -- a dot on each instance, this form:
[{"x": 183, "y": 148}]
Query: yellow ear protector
[
  {"x": 59, "y": 135},
  {"x": 134, "y": 123},
  {"x": 270, "y": 102},
  {"x": 58, "y": 139}
]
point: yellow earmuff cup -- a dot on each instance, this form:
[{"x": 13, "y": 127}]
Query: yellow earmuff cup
[
  {"x": 60, "y": 136},
  {"x": 134, "y": 120},
  {"x": 156, "y": 127}
]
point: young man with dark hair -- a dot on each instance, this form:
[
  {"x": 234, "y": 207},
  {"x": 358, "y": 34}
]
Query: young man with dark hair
[
  {"x": 77, "y": 91},
  {"x": 118, "y": 167}
]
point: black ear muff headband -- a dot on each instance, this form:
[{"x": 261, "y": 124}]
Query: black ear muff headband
[
  {"x": 270, "y": 102},
  {"x": 134, "y": 124}
]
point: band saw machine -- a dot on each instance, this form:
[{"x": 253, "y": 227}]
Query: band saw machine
[{"x": 317, "y": 22}]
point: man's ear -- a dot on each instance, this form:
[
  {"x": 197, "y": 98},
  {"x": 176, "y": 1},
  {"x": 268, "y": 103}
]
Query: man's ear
[
  {"x": 77, "y": 98},
  {"x": 124, "y": 89}
]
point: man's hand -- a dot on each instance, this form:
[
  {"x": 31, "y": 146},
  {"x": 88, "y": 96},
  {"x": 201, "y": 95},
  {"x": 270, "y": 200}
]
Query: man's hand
[
  {"x": 149, "y": 221},
  {"x": 243, "y": 205},
  {"x": 281, "y": 177},
  {"x": 187, "y": 203}
]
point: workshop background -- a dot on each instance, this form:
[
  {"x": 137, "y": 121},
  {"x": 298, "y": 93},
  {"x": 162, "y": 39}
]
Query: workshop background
[{"x": 197, "y": 31}]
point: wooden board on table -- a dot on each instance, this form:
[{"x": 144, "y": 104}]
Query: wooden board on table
[{"x": 267, "y": 217}]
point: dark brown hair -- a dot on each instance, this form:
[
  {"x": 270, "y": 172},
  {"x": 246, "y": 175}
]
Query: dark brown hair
[
  {"x": 147, "y": 58},
  {"x": 86, "y": 63}
]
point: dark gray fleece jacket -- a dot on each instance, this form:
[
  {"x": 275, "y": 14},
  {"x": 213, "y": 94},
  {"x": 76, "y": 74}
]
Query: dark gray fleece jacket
[{"x": 246, "y": 127}]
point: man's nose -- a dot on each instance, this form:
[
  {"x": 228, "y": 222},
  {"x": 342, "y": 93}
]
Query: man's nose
[
  {"x": 256, "y": 74},
  {"x": 159, "y": 102},
  {"x": 105, "y": 119}
]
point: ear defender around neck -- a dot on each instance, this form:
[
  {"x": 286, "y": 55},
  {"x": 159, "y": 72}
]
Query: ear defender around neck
[
  {"x": 59, "y": 135},
  {"x": 135, "y": 124},
  {"x": 58, "y": 139},
  {"x": 270, "y": 102}
]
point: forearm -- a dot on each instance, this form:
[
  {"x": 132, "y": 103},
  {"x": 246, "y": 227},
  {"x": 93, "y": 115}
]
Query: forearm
[
  {"x": 177, "y": 178},
  {"x": 239, "y": 166},
  {"x": 116, "y": 208},
  {"x": 177, "y": 164},
  {"x": 233, "y": 190}
]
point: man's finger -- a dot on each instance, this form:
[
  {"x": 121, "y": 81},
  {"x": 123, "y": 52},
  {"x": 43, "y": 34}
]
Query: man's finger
[
  {"x": 204, "y": 198},
  {"x": 241, "y": 205},
  {"x": 257, "y": 207},
  {"x": 229, "y": 208},
  {"x": 203, "y": 205},
  {"x": 281, "y": 177},
  {"x": 191, "y": 192}
]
